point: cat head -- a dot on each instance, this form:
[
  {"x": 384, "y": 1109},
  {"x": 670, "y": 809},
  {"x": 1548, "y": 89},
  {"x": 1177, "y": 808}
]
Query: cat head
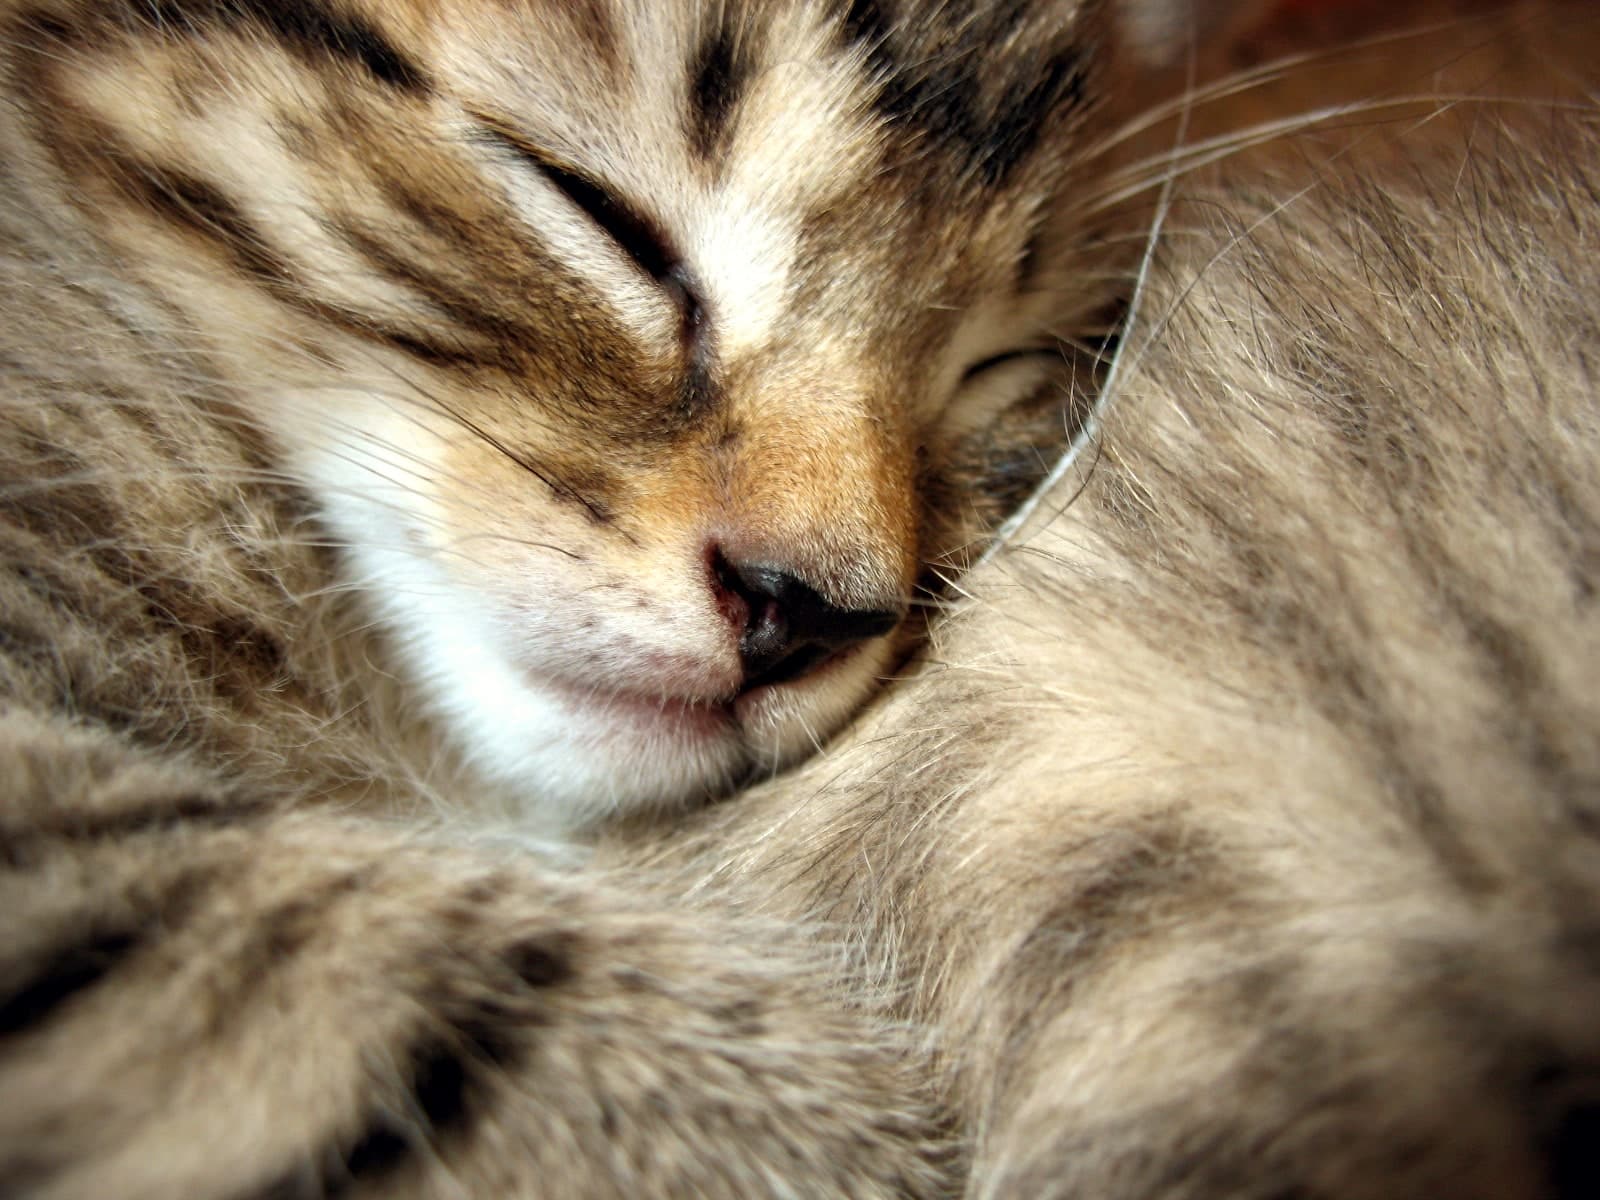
[{"x": 623, "y": 347}]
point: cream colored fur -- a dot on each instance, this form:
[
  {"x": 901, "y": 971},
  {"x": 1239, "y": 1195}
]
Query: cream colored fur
[
  {"x": 1237, "y": 836},
  {"x": 1234, "y": 836}
]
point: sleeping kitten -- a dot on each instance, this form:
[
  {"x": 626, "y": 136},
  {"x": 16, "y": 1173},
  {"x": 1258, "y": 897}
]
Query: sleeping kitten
[{"x": 627, "y": 363}]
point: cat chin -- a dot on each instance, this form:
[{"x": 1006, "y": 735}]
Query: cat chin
[
  {"x": 559, "y": 755},
  {"x": 563, "y": 757}
]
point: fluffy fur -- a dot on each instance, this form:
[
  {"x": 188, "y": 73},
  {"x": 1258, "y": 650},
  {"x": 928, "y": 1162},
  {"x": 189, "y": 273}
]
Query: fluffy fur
[
  {"x": 1235, "y": 838},
  {"x": 552, "y": 362},
  {"x": 1239, "y": 836}
]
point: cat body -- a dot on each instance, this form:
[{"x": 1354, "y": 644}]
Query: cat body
[
  {"x": 1234, "y": 838},
  {"x": 428, "y": 428},
  {"x": 1237, "y": 837}
]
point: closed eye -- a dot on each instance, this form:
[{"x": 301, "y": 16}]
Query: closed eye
[
  {"x": 635, "y": 234},
  {"x": 995, "y": 361}
]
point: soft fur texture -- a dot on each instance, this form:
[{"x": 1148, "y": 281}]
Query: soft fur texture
[
  {"x": 1236, "y": 836},
  {"x": 1240, "y": 836},
  {"x": 547, "y": 332}
]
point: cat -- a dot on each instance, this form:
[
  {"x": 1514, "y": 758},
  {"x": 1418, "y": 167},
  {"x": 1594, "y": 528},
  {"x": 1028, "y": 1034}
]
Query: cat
[
  {"x": 333, "y": 386},
  {"x": 613, "y": 358},
  {"x": 431, "y": 429}
]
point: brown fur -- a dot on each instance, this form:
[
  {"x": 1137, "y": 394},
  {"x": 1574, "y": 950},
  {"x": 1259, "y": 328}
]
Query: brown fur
[
  {"x": 267, "y": 260},
  {"x": 532, "y": 361},
  {"x": 1235, "y": 838},
  {"x": 1238, "y": 835}
]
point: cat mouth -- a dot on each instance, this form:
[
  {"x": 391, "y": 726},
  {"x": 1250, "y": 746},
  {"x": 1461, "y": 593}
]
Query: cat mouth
[{"x": 691, "y": 717}]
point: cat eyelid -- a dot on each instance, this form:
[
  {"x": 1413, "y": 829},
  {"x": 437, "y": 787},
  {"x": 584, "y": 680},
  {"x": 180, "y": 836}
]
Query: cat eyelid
[
  {"x": 984, "y": 365},
  {"x": 635, "y": 234}
]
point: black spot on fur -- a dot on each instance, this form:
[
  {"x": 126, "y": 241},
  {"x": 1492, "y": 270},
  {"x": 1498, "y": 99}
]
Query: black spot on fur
[
  {"x": 444, "y": 1077},
  {"x": 256, "y": 653},
  {"x": 540, "y": 962},
  {"x": 380, "y": 1148},
  {"x": 717, "y": 80},
  {"x": 284, "y": 931},
  {"x": 1565, "y": 1105},
  {"x": 65, "y": 974}
]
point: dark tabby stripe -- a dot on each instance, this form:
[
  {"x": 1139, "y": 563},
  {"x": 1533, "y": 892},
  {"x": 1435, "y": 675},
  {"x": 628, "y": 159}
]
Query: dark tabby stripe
[
  {"x": 942, "y": 93},
  {"x": 444, "y": 1075},
  {"x": 499, "y": 336},
  {"x": 313, "y": 30},
  {"x": 67, "y": 972},
  {"x": 717, "y": 79},
  {"x": 34, "y": 993},
  {"x": 1347, "y": 683},
  {"x": 203, "y": 209},
  {"x": 158, "y": 816},
  {"x": 1114, "y": 894},
  {"x": 206, "y": 211}
]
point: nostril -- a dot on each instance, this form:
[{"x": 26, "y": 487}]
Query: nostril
[
  {"x": 788, "y": 627},
  {"x": 1575, "y": 1153}
]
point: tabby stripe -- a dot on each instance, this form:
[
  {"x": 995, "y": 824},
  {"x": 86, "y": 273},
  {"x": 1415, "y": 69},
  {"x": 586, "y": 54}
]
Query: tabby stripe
[
  {"x": 196, "y": 809},
  {"x": 67, "y": 972},
  {"x": 204, "y": 210},
  {"x": 1342, "y": 685},
  {"x": 444, "y": 1074},
  {"x": 83, "y": 961},
  {"x": 315, "y": 32},
  {"x": 1116, "y": 889},
  {"x": 45, "y": 832},
  {"x": 717, "y": 79},
  {"x": 1523, "y": 687},
  {"x": 497, "y": 331},
  {"x": 944, "y": 96}
]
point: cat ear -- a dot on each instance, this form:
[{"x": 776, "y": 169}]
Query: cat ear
[{"x": 1161, "y": 33}]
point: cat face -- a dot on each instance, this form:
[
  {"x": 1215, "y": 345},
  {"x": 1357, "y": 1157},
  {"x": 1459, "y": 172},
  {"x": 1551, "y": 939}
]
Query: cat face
[{"x": 619, "y": 344}]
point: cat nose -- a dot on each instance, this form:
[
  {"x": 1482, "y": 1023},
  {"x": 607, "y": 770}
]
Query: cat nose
[{"x": 789, "y": 628}]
